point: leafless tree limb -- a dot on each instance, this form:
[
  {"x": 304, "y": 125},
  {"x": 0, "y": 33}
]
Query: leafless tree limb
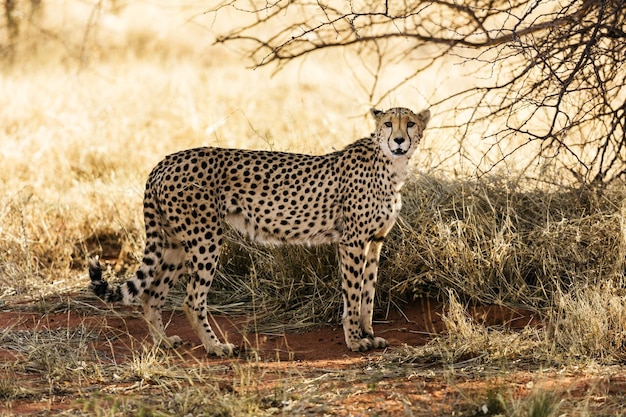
[{"x": 557, "y": 75}]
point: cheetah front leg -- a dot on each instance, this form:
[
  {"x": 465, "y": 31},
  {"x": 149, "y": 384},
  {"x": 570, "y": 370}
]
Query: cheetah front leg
[
  {"x": 352, "y": 270},
  {"x": 368, "y": 292}
]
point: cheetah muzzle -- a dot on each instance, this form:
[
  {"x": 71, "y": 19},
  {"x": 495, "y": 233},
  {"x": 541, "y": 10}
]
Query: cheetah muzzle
[{"x": 350, "y": 197}]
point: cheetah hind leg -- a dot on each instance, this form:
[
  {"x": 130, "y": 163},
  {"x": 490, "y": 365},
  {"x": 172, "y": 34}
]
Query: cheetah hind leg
[
  {"x": 170, "y": 269},
  {"x": 195, "y": 304},
  {"x": 194, "y": 307},
  {"x": 197, "y": 319},
  {"x": 155, "y": 321}
]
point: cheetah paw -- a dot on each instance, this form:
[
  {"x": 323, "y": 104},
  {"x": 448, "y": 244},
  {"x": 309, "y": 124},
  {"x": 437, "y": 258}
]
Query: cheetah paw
[
  {"x": 223, "y": 350},
  {"x": 171, "y": 342},
  {"x": 368, "y": 343},
  {"x": 379, "y": 343}
]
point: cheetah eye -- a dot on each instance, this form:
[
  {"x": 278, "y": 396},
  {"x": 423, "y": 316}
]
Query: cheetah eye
[
  {"x": 410, "y": 124},
  {"x": 388, "y": 124}
]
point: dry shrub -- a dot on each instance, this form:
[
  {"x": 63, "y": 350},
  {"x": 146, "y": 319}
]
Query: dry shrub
[
  {"x": 493, "y": 242},
  {"x": 560, "y": 252}
]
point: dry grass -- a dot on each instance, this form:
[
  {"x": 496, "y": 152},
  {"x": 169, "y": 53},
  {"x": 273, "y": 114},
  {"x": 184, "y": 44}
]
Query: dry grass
[
  {"x": 493, "y": 241},
  {"x": 87, "y": 113}
]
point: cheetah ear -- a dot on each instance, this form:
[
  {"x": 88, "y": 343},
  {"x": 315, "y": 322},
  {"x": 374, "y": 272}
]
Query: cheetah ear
[
  {"x": 377, "y": 114},
  {"x": 424, "y": 116}
]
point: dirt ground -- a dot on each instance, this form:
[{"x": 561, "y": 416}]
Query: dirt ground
[{"x": 316, "y": 354}]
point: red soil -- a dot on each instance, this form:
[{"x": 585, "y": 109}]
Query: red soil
[{"x": 122, "y": 332}]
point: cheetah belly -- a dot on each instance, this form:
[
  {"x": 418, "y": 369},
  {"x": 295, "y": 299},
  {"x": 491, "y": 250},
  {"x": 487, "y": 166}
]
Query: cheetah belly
[{"x": 277, "y": 228}]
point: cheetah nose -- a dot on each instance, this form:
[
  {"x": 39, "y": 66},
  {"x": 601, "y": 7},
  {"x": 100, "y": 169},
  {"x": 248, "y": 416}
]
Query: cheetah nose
[{"x": 399, "y": 140}]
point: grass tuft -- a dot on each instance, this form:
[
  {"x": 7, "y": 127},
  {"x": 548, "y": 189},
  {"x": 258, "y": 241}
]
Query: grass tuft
[
  {"x": 542, "y": 404},
  {"x": 466, "y": 342},
  {"x": 589, "y": 322}
]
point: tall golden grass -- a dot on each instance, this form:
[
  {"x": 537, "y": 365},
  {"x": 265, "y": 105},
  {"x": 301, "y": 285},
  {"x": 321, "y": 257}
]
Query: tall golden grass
[{"x": 87, "y": 112}]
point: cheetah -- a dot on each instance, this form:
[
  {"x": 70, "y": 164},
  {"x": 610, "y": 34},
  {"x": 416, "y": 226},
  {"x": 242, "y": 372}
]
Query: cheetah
[{"x": 350, "y": 197}]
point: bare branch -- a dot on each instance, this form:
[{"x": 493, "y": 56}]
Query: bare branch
[{"x": 556, "y": 68}]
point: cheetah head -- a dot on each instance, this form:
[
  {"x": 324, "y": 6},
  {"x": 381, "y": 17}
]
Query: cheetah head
[{"x": 399, "y": 130}]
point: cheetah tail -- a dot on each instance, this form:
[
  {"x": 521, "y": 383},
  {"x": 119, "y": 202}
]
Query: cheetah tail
[{"x": 98, "y": 285}]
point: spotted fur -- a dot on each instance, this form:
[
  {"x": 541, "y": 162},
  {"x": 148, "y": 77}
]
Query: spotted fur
[{"x": 351, "y": 197}]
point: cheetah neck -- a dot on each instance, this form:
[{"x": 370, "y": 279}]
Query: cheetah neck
[
  {"x": 396, "y": 168},
  {"x": 392, "y": 170}
]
